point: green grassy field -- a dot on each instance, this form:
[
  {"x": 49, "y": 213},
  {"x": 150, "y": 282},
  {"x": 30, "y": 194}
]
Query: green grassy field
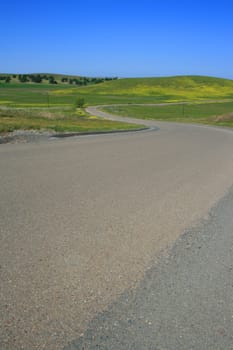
[
  {"x": 121, "y": 91},
  {"x": 170, "y": 89},
  {"x": 206, "y": 113},
  {"x": 131, "y": 90},
  {"x": 59, "y": 120},
  {"x": 33, "y": 95}
]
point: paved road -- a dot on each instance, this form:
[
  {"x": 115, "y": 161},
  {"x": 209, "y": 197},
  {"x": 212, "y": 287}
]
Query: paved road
[
  {"x": 83, "y": 220},
  {"x": 184, "y": 302}
]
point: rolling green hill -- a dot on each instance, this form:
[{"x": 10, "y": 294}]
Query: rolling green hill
[
  {"x": 57, "y": 100},
  {"x": 126, "y": 91},
  {"x": 168, "y": 89}
]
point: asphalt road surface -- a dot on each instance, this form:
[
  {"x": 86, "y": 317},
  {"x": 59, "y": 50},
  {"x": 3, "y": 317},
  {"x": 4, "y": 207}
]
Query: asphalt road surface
[{"x": 108, "y": 241}]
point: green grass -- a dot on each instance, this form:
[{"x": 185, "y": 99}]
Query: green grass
[
  {"x": 130, "y": 90},
  {"x": 153, "y": 90},
  {"x": 205, "y": 113},
  {"x": 62, "y": 120},
  {"x": 33, "y": 95}
]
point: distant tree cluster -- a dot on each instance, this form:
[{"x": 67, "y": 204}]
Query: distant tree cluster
[
  {"x": 82, "y": 81},
  {"x": 6, "y": 79},
  {"x": 51, "y": 79},
  {"x": 36, "y": 78}
]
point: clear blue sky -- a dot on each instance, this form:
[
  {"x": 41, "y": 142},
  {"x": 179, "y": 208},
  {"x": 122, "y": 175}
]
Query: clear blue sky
[{"x": 117, "y": 38}]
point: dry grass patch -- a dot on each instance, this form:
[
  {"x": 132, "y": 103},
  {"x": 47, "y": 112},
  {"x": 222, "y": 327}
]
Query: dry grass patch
[{"x": 226, "y": 117}]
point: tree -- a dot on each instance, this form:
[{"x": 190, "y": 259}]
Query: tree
[
  {"x": 52, "y": 80},
  {"x": 23, "y": 78},
  {"x": 35, "y": 78},
  {"x": 79, "y": 103}
]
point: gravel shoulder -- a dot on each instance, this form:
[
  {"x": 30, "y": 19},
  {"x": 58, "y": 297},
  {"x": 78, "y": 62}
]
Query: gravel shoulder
[{"x": 27, "y": 136}]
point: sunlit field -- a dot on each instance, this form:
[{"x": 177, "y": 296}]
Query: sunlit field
[{"x": 46, "y": 106}]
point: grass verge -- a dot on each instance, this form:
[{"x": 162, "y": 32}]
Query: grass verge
[
  {"x": 61, "y": 120},
  {"x": 220, "y": 114}
]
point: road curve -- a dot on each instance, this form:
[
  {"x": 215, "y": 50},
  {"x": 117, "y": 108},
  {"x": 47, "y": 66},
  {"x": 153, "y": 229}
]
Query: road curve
[
  {"x": 96, "y": 110},
  {"x": 83, "y": 219}
]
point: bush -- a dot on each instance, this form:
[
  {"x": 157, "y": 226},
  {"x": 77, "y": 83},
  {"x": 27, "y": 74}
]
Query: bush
[{"x": 79, "y": 103}]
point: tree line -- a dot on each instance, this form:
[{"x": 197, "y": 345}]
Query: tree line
[{"x": 51, "y": 79}]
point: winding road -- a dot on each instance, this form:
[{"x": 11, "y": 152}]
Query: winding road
[{"x": 110, "y": 242}]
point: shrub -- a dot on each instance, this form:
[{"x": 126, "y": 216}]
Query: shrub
[{"x": 79, "y": 103}]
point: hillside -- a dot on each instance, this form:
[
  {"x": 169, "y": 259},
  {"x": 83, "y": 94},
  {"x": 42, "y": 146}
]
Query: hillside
[
  {"x": 168, "y": 88},
  {"x": 124, "y": 91}
]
